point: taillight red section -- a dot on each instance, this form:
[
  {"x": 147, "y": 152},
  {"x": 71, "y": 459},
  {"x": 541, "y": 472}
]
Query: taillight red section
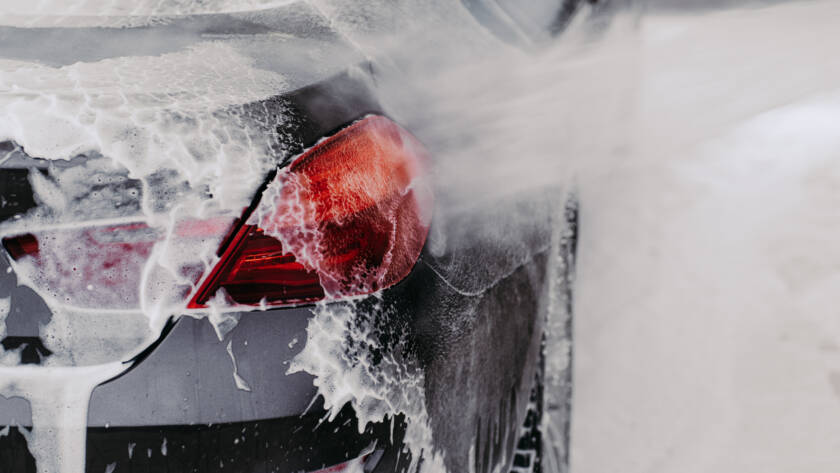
[
  {"x": 259, "y": 269},
  {"x": 348, "y": 217},
  {"x": 21, "y": 245}
]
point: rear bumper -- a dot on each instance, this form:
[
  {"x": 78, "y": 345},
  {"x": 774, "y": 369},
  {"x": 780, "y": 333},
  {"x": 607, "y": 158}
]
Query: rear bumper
[
  {"x": 179, "y": 410},
  {"x": 291, "y": 444}
]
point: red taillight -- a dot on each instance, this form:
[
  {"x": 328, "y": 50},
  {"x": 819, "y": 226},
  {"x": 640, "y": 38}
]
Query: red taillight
[{"x": 348, "y": 217}]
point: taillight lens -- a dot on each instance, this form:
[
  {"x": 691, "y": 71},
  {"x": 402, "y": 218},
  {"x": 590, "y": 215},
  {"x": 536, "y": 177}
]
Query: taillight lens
[{"x": 348, "y": 217}]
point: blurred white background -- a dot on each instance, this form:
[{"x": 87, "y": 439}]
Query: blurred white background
[{"x": 707, "y": 329}]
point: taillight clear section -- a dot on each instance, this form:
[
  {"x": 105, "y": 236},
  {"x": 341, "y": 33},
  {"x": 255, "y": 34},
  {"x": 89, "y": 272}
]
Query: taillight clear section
[
  {"x": 101, "y": 266},
  {"x": 348, "y": 217},
  {"x": 86, "y": 267}
]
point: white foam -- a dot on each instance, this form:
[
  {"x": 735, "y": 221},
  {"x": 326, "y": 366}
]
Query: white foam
[
  {"x": 5, "y": 306},
  {"x": 59, "y": 400},
  {"x": 240, "y": 382},
  {"x": 337, "y": 353},
  {"x": 117, "y": 13}
]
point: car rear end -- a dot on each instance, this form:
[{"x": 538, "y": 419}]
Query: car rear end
[{"x": 207, "y": 272}]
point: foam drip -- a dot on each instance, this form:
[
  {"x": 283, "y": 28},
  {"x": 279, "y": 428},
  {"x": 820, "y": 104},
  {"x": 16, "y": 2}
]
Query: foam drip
[{"x": 59, "y": 400}]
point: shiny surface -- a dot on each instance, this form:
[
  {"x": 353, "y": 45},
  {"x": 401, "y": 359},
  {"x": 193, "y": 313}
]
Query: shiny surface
[
  {"x": 189, "y": 378},
  {"x": 354, "y": 208}
]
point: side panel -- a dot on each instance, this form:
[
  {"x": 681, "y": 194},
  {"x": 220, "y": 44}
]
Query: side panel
[{"x": 479, "y": 323}]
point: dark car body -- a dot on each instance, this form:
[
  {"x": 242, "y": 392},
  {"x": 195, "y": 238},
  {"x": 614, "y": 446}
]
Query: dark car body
[{"x": 471, "y": 313}]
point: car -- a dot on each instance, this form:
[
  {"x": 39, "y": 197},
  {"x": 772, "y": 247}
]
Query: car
[{"x": 279, "y": 284}]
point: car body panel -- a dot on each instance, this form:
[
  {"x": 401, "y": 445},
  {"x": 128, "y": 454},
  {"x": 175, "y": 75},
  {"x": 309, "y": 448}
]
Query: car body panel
[{"x": 188, "y": 379}]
